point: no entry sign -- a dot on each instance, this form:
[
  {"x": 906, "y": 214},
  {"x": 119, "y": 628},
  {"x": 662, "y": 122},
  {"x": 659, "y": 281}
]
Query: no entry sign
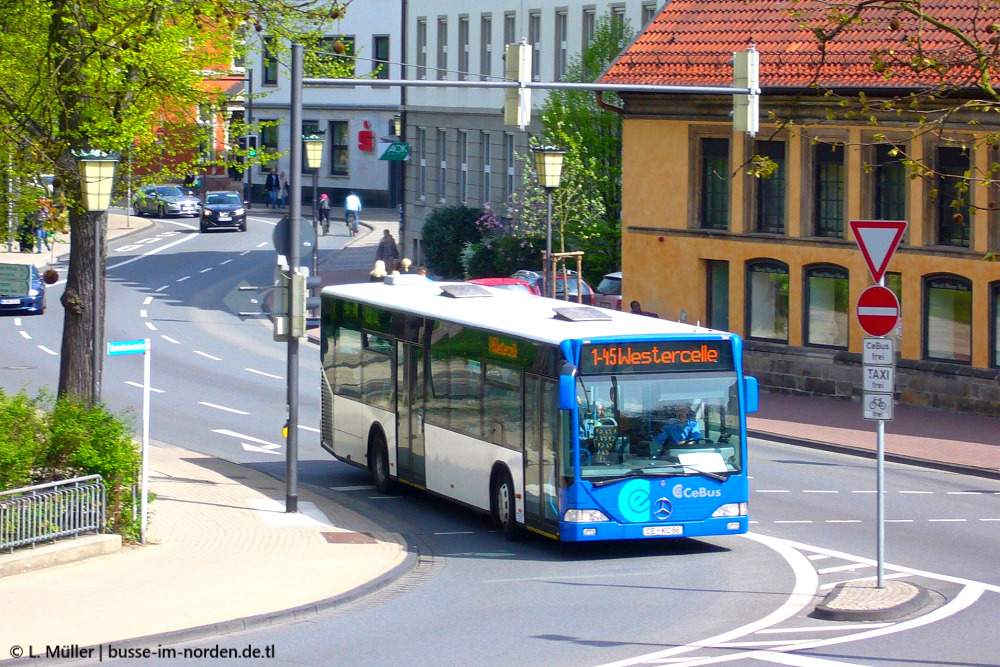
[{"x": 878, "y": 310}]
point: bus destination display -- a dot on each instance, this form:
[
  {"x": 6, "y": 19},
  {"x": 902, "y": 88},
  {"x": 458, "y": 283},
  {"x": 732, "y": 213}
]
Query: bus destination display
[{"x": 658, "y": 356}]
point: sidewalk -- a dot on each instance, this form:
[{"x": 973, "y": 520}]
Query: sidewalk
[{"x": 222, "y": 556}]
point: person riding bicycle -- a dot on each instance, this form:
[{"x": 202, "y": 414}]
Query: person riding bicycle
[
  {"x": 324, "y": 212},
  {"x": 352, "y": 213}
]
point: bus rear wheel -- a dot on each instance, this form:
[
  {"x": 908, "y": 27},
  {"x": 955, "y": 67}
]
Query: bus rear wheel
[
  {"x": 379, "y": 456},
  {"x": 504, "y": 508}
]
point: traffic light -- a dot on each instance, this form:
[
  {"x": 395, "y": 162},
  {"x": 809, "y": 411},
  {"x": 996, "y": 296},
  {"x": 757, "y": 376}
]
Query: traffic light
[
  {"x": 279, "y": 303},
  {"x": 746, "y": 108},
  {"x": 291, "y": 302},
  {"x": 517, "y": 101},
  {"x": 252, "y": 148}
]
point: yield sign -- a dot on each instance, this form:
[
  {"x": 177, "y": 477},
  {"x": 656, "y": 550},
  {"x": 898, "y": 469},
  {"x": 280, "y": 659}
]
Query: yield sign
[
  {"x": 878, "y": 310},
  {"x": 878, "y": 239}
]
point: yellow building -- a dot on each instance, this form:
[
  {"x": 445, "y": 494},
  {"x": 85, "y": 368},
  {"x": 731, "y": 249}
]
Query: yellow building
[{"x": 773, "y": 259}]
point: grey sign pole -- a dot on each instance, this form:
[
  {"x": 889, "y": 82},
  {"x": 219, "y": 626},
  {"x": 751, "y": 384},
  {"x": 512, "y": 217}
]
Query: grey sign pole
[{"x": 294, "y": 253}]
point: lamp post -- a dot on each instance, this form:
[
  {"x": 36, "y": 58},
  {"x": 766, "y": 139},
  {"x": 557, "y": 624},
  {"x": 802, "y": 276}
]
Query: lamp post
[
  {"x": 314, "y": 160},
  {"x": 548, "y": 165},
  {"x": 97, "y": 176}
]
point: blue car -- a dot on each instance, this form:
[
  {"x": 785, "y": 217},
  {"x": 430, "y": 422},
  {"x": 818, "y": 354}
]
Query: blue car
[{"x": 32, "y": 303}]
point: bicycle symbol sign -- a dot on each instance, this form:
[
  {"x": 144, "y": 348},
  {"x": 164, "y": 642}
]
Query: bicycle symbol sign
[{"x": 877, "y": 406}]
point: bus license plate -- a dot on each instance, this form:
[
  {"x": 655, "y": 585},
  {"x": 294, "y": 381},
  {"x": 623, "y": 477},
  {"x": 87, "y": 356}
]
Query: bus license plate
[{"x": 663, "y": 530}]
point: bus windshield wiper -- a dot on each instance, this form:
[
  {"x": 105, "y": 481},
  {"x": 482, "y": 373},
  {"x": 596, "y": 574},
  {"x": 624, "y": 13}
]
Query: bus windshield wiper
[
  {"x": 659, "y": 471},
  {"x": 698, "y": 471}
]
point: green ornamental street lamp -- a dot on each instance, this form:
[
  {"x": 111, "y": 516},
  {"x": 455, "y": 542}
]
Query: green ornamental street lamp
[
  {"x": 548, "y": 166},
  {"x": 97, "y": 177},
  {"x": 314, "y": 160}
]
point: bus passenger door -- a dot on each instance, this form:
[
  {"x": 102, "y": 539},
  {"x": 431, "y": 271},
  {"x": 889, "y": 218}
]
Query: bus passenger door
[
  {"x": 541, "y": 429},
  {"x": 409, "y": 413}
]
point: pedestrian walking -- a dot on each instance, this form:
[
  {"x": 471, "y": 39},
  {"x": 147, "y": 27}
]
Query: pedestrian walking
[
  {"x": 272, "y": 185},
  {"x": 283, "y": 189},
  {"x": 387, "y": 252}
]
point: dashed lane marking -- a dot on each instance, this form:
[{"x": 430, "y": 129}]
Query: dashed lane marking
[
  {"x": 150, "y": 326},
  {"x": 148, "y": 300},
  {"x": 25, "y": 334},
  {"x": 270, "y": 375},
  {"x": 207, "y": 355},
  {"x": 48, "y": 351},
  {"x": 169, "y": 339},
  {"x": 139, "y": 385},
  {"x": 222, "y": 407}
]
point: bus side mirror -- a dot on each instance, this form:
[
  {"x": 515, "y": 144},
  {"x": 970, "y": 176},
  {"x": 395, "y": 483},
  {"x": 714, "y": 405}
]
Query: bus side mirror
[
  {"x": 567, "y": 386},
  {"x": 750, "y": 389}
]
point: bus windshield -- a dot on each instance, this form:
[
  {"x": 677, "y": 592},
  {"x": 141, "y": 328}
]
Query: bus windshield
[{"x": 658, "y": 424}]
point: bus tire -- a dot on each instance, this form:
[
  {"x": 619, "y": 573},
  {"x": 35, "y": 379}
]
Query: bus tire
[
  {"x": 379, "y": 457},
  {"x": 505, "y": 508}
]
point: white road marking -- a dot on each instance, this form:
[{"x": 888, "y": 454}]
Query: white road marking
[
  {"x": 222, "y": 407},
  {"x": 843, "y": 521},
  {"x": 273, "y": 513},
  {"x": 821, "y": 628},
  {"x": 207, "y": 355},
  {"x": 48, "y": 351},
  {"x": 147, "y": 301},
  {"x": 967, "y": 493},
  {"x": 751, "y": 644},
  {"x": 308, "y": 428},
  {"x": 818, "y": 557},
  {"x": 229, "y": 260},
  {"x": 841, "y": 568},
  {"x": 917, "y": 493},
  {"x": 169, "y": 339},
  {"x": 947, "y": 520},
  {"x": 151, "y": 252},
  {"x": 245, "y": 252},
  {"x": 871, "y": 491},
  {"x": 142, "y": 313},
  {"x": 259, "y": 450},
  {"x": 160, "y": 289},
  {"x": 150, "y": 326},
  {"x": 180, "y": 280},
  {"x": 834, "y": 584},
  {"x": 205, "y": 270},
  {"x": 819, "y": 491},
  {"x": 263, "y": 245},
  {"x": 136, "y": 384},
  {"x": 241, "y": 436},
  {"x": 989, "y": 519},
  {"x": 17, "y": 321},
  {"x": 805, "y": 521},
  {"x": 362, "y": 487},
  {"x": 772, "y": 490},
  {"x": 251, "y": 370},
  {"x": 25, "y": 334},
  {"x": 458, "y": 532}
]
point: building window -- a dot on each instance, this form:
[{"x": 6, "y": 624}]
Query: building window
[
  {"x": 317, "y": 62},
  {"x": 510, "y": 28},
  {"x": 443, "y": 164},
  {"x": 422, "y": 172},
  {"x": 508, "y": 163},
  {"x": 714, "y": 183},
  {"x": 995, "y": 325},
  {"x": 485, "y": 47},
  {"x": 770, "y": 205},
  {"x": 827, "y": 295},
  {"x": 948, "y": 318},
  {"x": 828, "y": 190},
  {"x": 268, "y": 144},
  {"x": 767, "y": 300},
  {"x": 589, "y": 22},
  {"x": 890, "y": 184},
  {"x": 269, "y": 63},
  {"x": 339, "y": 149},
  {"x": 618, "y": 17},
  {"x": 487, "y": 155},
  {"x": 422, "y": 48},
  {"x": 561, "y": 49},
  {"x": 953, "y": 196},
  {"x": 380, "y": 56},
  {"x": 718, "y": 295},
  {"x": 463, "y": 48},
  {"x": 463, "y": 166},
  {"x": 648, "y": 13},
  {"x": 535, "y": 41},
  {"x": 442, "y": 53}
]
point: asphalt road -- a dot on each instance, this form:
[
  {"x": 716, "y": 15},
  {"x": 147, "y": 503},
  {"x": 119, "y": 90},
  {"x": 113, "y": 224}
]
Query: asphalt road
[{"x": 218, "y": 388}]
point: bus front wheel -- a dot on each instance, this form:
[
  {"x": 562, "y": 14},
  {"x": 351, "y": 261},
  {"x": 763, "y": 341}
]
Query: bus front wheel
[
  {"x": 379, "y": 456},
  {"x": 505, "y": 509}
]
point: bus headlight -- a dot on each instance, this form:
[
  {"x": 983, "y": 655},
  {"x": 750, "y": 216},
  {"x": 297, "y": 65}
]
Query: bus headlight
[
  {"x": 584, "y": 516},
  {"x": 731, "y": 509}
]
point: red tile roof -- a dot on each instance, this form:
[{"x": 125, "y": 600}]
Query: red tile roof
[{"x": 691, "y": 42}]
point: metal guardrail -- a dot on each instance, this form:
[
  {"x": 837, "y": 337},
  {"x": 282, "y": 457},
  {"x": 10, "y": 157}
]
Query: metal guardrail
[{"x": 41, "y": 513}]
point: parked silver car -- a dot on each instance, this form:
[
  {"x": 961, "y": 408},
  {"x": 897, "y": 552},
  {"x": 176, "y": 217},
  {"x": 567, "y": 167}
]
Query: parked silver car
[
  {"x": 164, "y": 200},
  {"x": 609, "y": 291}
]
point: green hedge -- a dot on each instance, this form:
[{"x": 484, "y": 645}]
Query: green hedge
[{"x": 43, "y": 440}]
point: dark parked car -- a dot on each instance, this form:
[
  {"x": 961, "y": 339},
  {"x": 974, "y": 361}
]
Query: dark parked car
[
  {"x": 22, "y": 290},
  {"x": 609, "y": 291},
  {"x": 164, "y": 200},
  {"x": 223, "y": 208},
  {"x": 577, "y": 286}
]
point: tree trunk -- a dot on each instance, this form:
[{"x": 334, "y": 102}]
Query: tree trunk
[{"x": 83, "y": 333}]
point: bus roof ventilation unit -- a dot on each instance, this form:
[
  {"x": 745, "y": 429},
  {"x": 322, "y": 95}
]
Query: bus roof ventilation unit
[
  {"x": 581, "y": 314},
  {"x": 464, "y": 291}
]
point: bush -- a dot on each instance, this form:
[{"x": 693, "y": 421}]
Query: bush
[
  {"x": 446, "y": 231},
  {"x": 42, "y": 440},
  {"x": 500, "y": 257}
]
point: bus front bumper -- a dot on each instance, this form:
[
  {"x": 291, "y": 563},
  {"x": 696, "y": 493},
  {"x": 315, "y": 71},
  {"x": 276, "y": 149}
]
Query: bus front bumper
[{"x": 610, "y": 530}]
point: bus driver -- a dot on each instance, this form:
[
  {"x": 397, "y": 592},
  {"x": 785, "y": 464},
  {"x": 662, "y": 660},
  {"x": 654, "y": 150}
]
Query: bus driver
[{"x": 681, "y": 429}]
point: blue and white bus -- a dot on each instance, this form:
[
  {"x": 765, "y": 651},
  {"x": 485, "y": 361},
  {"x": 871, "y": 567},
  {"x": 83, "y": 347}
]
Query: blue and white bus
[{"x": 556, "y": 418}]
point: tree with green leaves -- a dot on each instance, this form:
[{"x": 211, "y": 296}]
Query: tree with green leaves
[{"x": 125, "y": 76}]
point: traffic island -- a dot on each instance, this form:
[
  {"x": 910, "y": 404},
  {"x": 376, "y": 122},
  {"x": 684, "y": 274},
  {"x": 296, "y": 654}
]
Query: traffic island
[{"x": 864, "y": 601}]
